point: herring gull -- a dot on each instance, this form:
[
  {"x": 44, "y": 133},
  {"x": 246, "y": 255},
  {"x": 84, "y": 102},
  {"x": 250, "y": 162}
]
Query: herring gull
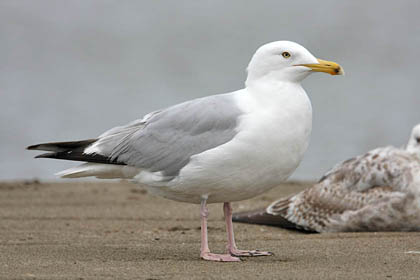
[
  {"x": 377, "y": 191},
  {"x": 216, "y": 149}
]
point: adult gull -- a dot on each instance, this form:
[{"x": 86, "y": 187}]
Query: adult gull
[
  {"x": 376, "y": 191},
  {"x": 220, "y": 148}
]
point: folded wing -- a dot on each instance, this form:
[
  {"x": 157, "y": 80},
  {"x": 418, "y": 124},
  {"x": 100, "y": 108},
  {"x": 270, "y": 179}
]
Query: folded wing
[{"x": 162, "y": 141}]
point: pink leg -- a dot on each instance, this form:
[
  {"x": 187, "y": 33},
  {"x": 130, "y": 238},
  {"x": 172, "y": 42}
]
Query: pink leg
[
  {"x": 205, "y": 251},
  {"x": 231, "y": 247}
]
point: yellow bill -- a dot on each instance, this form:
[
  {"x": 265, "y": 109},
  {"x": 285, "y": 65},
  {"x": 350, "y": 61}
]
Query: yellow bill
[{"x": 326, "y": 67}]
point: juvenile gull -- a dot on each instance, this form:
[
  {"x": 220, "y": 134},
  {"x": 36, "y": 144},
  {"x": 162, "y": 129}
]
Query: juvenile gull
[
  {"x": 221, "y": 148},
  {"x": 377, "y": 191}
]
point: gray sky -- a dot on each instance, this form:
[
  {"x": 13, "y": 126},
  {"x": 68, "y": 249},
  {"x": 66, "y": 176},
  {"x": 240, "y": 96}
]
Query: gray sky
[{"x": 71, "y": 69}]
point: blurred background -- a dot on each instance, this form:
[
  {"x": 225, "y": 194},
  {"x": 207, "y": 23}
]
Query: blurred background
[{"x": 70, "y": 70}]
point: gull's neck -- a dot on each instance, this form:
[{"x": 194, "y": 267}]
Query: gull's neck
[
  {"x": 412, "y": 147},
  {"x": 270, "y": 85},
  {"x": 275, "y": 77},
  {"x": 267, "y": 94},
  {"x": 413, "y": 150}
]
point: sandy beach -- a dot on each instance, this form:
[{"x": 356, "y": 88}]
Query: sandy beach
[{"x": 116, "y": 230}]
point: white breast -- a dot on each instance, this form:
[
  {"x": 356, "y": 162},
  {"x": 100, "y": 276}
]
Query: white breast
[
  {"x": 278, "y": 125},
  {"x": 273, "y": 136}
]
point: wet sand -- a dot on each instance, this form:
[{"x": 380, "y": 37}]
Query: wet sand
[{"x": 118, "y": 231}]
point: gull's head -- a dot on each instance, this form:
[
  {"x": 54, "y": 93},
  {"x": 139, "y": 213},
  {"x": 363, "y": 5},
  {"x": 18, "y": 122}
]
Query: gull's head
[
  {"x": 413, "y": 145},
  {"x": 287, "y": 61}
]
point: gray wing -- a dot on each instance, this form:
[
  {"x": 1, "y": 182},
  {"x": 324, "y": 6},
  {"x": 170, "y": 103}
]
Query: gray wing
[{"x": 165, "y": 140}]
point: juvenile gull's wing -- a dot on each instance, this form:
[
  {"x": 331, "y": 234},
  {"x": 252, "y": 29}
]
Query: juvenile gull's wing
[{"x": 352, "y": 196}]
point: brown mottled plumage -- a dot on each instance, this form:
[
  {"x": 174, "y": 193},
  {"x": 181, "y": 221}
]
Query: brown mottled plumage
[{"x": 377, "y": 191}]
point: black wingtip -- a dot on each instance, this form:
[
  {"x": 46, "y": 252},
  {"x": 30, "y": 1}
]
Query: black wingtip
[
  {"x": 32, "y": 147},
  {"x": 79, "y": 156},
  {"x": 46, "y": 155},
  {"x": 73, "y": 150},
  {"x": 62, "y": 146},
  {"x": 261, "y": 217}
]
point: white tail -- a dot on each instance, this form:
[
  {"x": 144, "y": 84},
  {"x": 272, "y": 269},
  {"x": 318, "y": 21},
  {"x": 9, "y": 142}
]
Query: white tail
[{"x": 98, "y": 170}]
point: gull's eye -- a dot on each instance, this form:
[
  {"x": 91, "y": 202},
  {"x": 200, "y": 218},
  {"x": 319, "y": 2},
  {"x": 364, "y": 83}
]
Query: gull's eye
[
  {"x": 418, "y": 140},
  {"x": 286, "y": 54}
]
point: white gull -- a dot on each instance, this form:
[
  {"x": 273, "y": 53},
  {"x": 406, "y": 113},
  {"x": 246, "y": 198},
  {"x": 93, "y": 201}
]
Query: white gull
[{"x": 221, "y": 148}]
